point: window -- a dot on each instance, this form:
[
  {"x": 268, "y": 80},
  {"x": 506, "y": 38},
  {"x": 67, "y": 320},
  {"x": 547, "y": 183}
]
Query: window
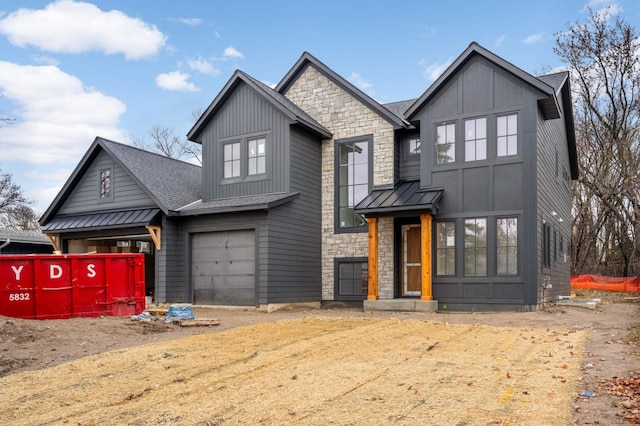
[
  {"x": 256, "y": 156},
  {"x": 352, "y": 181},
  {"x": 546, "y": 245},
  {"x": 413, "y": 146},
  {"x": 507, "y": 246},
  {"x": 446, "y": 143},
  {"x": 105, "y": 184},
  {"x": 475, "y": 247},
  {"x": 352, "y": 276},
  {"x": 507, "y": 135},
  {"x": 231, "y": 160},
  {"x": 475, "y": 139},
  {"x": 446, "y": 248}
]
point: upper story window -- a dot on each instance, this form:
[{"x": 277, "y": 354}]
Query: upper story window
[
  {"x": 231, "y": 159},
  {"x": 507, "y": 135},
  {"x": 475, "y": 247},
  {"x": 245, "y": 157},
  {"x": 413, "y": 146},
  {"x": 353, "y": 177},
  {"x": 475, "y": 139},
  {"x": 106, "y": 184},
  {"x": 445, "y": 143},
  {"x": 257, "y": 156}
]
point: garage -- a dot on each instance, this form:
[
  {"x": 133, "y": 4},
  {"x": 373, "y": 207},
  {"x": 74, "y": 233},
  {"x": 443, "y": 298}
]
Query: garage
[{"x": 223, "y": 268}]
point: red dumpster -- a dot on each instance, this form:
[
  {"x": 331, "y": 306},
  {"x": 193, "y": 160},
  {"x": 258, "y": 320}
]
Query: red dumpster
[{"x": 73, "y": 285}]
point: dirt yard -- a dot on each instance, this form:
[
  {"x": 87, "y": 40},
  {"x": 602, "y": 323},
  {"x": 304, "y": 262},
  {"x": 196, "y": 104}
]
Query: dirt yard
[{"x": 339, "y": 366}]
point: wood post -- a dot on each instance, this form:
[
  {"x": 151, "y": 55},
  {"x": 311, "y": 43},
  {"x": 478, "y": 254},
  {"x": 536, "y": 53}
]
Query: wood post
[
  {"x": 373, "y": 258},
  {"x": 425, "y": 222}
]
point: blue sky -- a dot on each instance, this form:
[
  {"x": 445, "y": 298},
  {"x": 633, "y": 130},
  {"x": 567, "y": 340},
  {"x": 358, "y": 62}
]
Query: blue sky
[{"x": 72, "y": 70}]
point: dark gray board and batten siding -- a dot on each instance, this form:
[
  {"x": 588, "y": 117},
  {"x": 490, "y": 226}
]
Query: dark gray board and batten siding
[
  {"x": 85, "y": 198},
  {"x": 492, "y": 188},
  {"x": 244, "y": 114},
  {"x": 287, "y": 237},
  {"x": 295, "y": 229}
]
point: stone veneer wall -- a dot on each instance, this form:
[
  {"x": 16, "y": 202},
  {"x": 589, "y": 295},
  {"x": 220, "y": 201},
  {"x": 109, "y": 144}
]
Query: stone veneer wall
[{"x": 344, "y": 116}]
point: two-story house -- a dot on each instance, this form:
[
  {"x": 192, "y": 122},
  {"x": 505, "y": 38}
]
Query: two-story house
[{"x": 314, "y": 192}]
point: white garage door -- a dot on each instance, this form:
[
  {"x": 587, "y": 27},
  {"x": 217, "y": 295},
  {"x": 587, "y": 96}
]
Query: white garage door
[{"x": 223, "y": 268}]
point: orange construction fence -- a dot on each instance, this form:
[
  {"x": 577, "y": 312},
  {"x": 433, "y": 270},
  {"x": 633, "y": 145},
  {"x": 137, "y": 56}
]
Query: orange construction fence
[{"x": 599, "y": 282}]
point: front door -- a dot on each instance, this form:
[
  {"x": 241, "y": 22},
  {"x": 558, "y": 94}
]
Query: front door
[{"x": 411, "y": 260}]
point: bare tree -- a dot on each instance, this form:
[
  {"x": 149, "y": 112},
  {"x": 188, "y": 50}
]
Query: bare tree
[
  {"x": 165, "y": 142},
  {"x": 602, "y": 55},
  {"x": 15, "y": 208}
]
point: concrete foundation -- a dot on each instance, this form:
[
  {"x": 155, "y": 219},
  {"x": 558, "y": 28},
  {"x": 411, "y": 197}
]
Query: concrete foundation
[{"x": 401, "y": 305}]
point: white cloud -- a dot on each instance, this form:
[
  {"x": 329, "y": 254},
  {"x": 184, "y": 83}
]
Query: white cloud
[
  {"x": 231, "y": 52},
  {"x": 45, "y": 60},
  {"x": 177, "y": 81},
  {"x": 433, "y": 71},
  {"x": 500, "y": 40},
  {"x": 66, "y": 26},
  {"x": 192, "y": 22},
  {"x": 203, "y": 66},
  {"x": 533, "y": 38},
  {"x": 56, "y": 116},
  {"x": 359, "y": 81}
]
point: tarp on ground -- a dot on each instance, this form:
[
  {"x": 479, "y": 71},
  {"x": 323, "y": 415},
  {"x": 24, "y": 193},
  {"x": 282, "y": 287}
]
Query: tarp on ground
[{"x": 599, "y": 282}]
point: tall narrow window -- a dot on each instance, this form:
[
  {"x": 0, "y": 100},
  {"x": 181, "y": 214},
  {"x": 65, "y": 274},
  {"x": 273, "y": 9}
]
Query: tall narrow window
[
  {"x": 231, "y": 160},
  {"x": 105, "y": 183},
  {"x": 446, "y": 143},
  {"x": 475, "y": 247},
  {"x": 546, "y": 245},
  {"x": 475, "y": 139},
  {"x": 414, "y": 146},
  {"x": 256, "y": 156},
  {"x": 352, "y": 177},
  {"x": 446, "y": 248},
  {"x": 507, "y": 135},
  {"x": 507, "y": 246}
]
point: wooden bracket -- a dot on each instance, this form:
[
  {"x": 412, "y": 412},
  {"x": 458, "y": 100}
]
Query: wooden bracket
[
  {"x": 154, "y": 231},
  {"x": 54, "y": 239}
]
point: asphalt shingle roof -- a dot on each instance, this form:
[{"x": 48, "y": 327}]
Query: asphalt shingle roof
[{"x": 173, "y": 183}]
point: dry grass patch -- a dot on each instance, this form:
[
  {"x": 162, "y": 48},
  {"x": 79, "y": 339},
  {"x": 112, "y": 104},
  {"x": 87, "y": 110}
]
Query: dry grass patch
[{"x": 313, "y": 371}]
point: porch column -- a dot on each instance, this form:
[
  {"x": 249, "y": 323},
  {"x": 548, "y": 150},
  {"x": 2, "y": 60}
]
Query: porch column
[
  {"x": 425, "y": 240},
  {"x": 373, "y": 258}
]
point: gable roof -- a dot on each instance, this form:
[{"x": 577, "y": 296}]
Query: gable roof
[
  {"x": 170, "y": 183},
  {"x": 309, "y": 60},
  {"x": 277, "y": 100},
  {"x": 549, "y": 103},
  {"x": 561, "y": 83}
]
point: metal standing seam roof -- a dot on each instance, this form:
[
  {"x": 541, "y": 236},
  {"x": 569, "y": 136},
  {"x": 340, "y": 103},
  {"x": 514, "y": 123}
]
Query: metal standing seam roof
[
  {"x": 84, "y": 222},
  {"x": 402, "y": 197}
]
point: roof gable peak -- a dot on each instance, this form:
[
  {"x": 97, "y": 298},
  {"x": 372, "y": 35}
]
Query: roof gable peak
[{"x": 474, "y": 49}]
